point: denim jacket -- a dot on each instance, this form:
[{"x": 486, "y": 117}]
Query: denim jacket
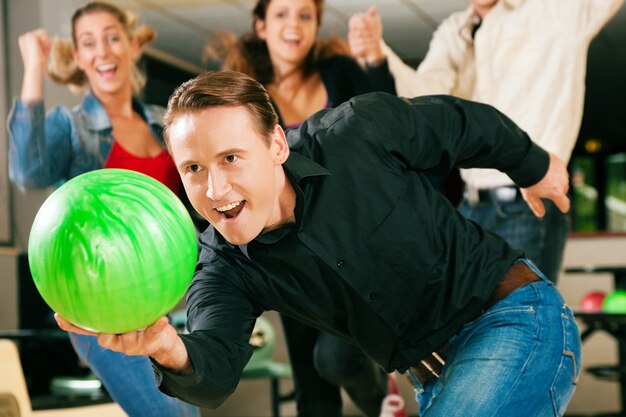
[{"x": 45, "y": 150}]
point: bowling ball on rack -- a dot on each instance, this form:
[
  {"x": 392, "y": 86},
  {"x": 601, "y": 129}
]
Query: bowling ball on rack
[
  {"x": 112, "y": 250},
  {"x": 615, "y": 302},
  {"x": 592, "y": 302}
]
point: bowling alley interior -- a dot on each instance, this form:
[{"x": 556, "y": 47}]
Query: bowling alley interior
[{"x": 41, "y": 373}]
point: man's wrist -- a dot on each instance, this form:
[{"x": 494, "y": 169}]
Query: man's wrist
[
  {"x": 186, "y": 368},
  {"x": 176, "y": 360}
]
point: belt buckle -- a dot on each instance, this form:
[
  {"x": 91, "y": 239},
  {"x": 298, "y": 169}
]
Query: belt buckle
[
  {"x": 435, "y": 367},
  {"x": 427, "y": 368}
]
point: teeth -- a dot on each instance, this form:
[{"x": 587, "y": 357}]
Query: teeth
[
  {"x": 106, "y": 67},
  {"x": 292, "y": 37},
  {"x": 228, "y": 206}
]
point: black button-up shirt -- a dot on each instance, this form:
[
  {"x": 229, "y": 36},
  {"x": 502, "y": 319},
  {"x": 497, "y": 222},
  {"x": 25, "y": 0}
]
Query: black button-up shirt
[{"x": 376, "y": 255}]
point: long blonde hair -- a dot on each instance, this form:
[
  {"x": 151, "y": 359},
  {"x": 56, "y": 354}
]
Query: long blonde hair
[{"x": 62, "y": 68}]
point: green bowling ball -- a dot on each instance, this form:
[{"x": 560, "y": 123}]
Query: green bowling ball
[
  {"x": 615, "y": 302},
  {"x": 112, "y": 250}
]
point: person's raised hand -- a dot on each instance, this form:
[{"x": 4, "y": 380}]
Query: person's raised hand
[
  {"x": 364, "y": 36},
  {"x": 553, "y": 186},
  {"x": 35, "y": 50}
]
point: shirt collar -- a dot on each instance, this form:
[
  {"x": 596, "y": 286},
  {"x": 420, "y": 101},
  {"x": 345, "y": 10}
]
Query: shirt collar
[
  {"x": 514, "y": 4},
  {"x": 297, "y": 168},
  {"x": 98, "y": 120},
  {"x": 468, "y": 16}
]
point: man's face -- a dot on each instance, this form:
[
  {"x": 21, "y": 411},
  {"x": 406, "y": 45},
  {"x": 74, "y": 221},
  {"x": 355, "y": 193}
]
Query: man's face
[{"x": 232, "y": 176}]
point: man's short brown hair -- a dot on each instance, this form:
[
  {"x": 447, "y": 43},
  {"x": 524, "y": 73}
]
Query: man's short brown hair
[{"x": 223, "y": 88}]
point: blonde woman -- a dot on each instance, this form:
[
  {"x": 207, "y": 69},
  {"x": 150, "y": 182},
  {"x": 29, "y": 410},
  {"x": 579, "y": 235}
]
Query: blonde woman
[{"x": 108, "y": 129}]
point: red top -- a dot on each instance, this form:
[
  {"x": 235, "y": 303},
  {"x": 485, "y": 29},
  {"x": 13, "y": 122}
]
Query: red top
[{"x": 160, "y": 167}]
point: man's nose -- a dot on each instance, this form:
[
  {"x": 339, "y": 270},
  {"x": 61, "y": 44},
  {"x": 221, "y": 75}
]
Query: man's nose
[{"x": 218, "y": 186}]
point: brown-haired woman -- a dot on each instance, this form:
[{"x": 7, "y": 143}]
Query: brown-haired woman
[{"x": 108, "y": 129}]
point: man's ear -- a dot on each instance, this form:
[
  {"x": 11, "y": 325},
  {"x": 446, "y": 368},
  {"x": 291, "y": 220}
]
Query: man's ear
[
  {"x": 259, "y": 28},
  {"x": 279, "y": 146}
]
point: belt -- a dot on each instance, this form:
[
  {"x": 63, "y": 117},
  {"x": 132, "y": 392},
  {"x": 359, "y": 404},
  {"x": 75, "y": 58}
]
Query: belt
[
  {"x": 489, "y": 195},
  {"x": 518, "y": 275}
]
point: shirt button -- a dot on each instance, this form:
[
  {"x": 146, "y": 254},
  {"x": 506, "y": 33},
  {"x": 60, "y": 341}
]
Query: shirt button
[
  {"x": 339, "y": 264},
  {"x": 373, "y": 296}
]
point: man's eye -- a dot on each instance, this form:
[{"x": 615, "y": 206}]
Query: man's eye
[
  {"x": 230, "y": 158},
  {"x": 193, "y": 168}
]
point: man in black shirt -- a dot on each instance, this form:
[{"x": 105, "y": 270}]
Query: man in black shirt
[{"x": 342, "y": 230}]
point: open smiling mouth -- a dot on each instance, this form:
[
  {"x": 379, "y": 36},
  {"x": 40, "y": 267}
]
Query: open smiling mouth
[
  {"x": 107, "y": 70},
  {"x": 231, "y": 210},
  {"x": 292, "y": 39}
]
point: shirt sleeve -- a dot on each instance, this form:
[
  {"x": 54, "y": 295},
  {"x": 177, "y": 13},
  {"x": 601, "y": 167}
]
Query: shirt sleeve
[
  {"x": 217, "y": 367},
  {"x": 438, "y": 133},
  {"x": 585, "y": 17},
  {"x": 436, "y": 74},
  {"x": 39, "y": 145},
  {"x": 220, "y": 320}
]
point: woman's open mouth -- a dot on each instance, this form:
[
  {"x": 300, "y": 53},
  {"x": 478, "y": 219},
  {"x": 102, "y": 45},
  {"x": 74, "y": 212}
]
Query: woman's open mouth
[{"x": 107, "y": 70}]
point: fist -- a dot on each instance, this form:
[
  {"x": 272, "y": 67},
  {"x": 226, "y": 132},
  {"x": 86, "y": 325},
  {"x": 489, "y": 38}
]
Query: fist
[
  {"x": 35, "y": 49},
  {"x": 365, "y": 34}
]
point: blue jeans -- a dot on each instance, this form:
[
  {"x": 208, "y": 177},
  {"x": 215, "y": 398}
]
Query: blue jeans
[
  {"x": 542, "y": 240},
  {"x": 520, "y": 358},
  {"x": 129, "y": 380}
]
